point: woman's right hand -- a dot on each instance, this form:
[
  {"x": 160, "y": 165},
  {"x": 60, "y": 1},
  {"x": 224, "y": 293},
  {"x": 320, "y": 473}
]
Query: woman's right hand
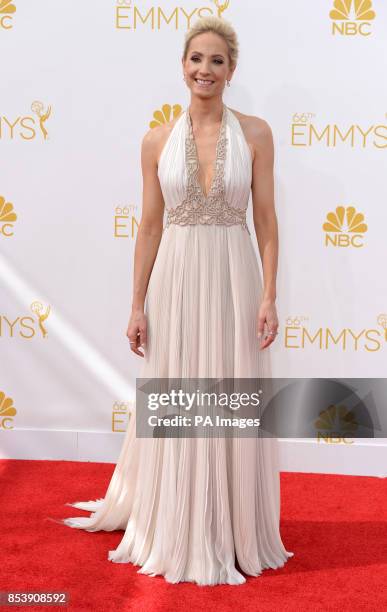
[{"x": 137, "y": 331}]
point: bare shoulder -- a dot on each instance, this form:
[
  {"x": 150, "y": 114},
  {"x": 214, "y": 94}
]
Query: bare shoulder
[
  {"x": 155, "y": 139},
  {"x": 257, "y": 130}
]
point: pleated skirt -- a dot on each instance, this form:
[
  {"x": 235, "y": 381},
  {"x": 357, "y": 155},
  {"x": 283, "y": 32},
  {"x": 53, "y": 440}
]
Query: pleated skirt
[{"x": 203, "y": 510}]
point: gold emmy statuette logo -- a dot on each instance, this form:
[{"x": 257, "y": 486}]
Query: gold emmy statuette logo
[
  {"x": 305, "y": 132},
  {"x": 131, "y": 16},
  {"x": 382, "y": 321},
  {"x": 122, "y": 217},
  {"x": 351, "y": 17},
  {"x": 300, "y": 335},
  {"x": 7, "y": 9},
  {"x": 121, "y": 413},
  {"x": 37, "y": 309},
  {"x": 27, "y": 123},
  {"x": 165, "y": 115},
  {"x": 37, "y": 107},
  {"x": 7, "y": 217},
  {"x": 333, "y": 420},
  {"x": 221, "y": 7},
  {"x": 7, "y": 411},
  {"x": 344, "y": 227}
]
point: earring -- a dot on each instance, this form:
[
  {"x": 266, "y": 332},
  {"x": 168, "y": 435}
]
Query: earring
[
  {"x": 183, "y": 77},
  {"x": 228, "y": 83}
]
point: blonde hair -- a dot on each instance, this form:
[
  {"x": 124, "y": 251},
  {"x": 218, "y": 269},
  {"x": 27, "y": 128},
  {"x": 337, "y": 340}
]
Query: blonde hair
[{"x": 219, "y": 26}]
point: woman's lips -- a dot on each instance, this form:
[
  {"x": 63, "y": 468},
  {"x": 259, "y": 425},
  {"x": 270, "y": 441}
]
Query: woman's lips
[{"x": 204, "y": 82}]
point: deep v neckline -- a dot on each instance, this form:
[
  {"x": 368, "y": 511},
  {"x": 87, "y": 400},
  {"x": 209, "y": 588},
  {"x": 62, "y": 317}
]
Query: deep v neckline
[{"x": 215, "y": 164}]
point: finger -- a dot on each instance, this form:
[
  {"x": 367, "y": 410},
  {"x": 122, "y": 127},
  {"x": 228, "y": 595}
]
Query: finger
[
  {"x": 135, "y": 350},
  {"x": 261, "y": 325},
  {"x": 143, "y": 337},
  {"x": 134, "y": 344},
  {"x": 266, "y": 343},
  {"x": 269, "y": 338}
]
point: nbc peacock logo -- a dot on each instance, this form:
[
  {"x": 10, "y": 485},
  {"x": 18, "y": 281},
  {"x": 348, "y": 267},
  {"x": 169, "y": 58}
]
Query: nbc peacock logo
[
  {"x": 164, "y": 115},
  {"x": 7, "y": 10},
  {"x": 335, "y": 424},
  {"x": 352, "y": 17},
  {"x": 7, "y": 218},
  {"x": 344, "y": 227},
  {"x": 130, "y": 15},
  {"x": 7, "y": 411}
]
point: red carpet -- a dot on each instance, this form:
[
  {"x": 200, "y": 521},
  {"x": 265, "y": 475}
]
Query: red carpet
[{"x": 335, "y": 525}]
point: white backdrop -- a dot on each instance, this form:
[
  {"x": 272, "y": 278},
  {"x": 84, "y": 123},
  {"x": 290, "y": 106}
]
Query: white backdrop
[{"x": 81, "y": 83}]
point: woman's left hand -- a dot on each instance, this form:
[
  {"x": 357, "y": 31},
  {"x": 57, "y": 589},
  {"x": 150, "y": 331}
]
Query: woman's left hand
[{"x": 267, "y": 317}]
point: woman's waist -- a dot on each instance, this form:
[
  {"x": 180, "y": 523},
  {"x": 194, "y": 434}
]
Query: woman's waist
[{"x": 219, "y": 214}]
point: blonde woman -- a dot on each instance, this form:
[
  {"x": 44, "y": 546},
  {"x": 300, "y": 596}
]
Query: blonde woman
[{"x": 204, "y": 509}]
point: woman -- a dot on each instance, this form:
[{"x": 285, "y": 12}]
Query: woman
[{"x": 193, "y": 509}]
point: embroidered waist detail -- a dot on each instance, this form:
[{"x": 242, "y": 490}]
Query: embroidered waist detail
[
  {"x": 197, "y": 208},
  {"x": 216, "y": 213}
]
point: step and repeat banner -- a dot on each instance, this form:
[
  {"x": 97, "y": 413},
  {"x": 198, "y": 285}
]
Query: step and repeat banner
[{"x": 81, "y": 83}]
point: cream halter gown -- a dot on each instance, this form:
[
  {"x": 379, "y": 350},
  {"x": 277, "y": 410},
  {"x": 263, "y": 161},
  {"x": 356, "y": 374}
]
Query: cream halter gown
[{"x": 192, "y": 507}]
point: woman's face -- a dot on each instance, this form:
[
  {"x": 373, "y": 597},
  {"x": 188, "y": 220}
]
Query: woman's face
[{"x": 206, "y": 67}]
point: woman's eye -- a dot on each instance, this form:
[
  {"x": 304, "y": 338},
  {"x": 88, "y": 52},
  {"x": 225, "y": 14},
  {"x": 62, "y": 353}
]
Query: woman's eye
[{"x": 217, "y": 61}]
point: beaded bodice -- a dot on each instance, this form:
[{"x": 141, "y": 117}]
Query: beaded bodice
[{"x": 214, "y": 208}]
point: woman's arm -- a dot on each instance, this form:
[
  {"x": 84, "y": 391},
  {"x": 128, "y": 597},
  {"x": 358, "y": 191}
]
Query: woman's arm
[
  {"x": 265, "y": 224},
  {"x": 148, "y": 237}
]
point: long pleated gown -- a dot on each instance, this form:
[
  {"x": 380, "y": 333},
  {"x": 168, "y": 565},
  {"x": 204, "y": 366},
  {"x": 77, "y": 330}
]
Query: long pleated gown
[{"x": 203, "y": 510}]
